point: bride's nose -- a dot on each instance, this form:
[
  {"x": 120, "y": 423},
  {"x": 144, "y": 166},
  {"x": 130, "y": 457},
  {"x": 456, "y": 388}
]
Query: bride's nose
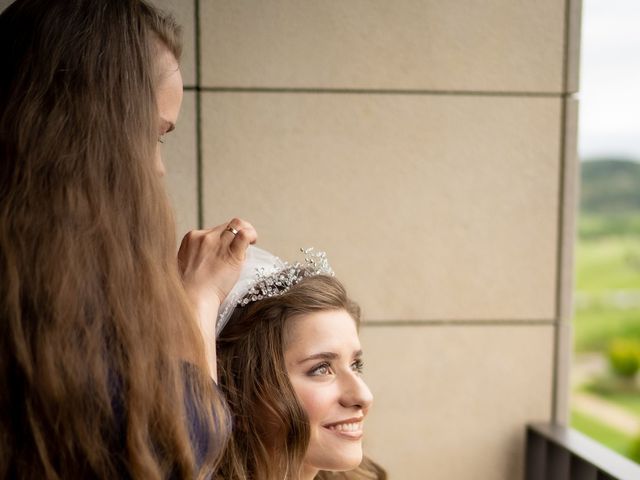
[{"x": 355, "y": 392}]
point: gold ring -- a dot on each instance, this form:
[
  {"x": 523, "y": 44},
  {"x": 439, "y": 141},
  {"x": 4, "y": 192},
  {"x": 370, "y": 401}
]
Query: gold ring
[{"x": 232, "y": 230}]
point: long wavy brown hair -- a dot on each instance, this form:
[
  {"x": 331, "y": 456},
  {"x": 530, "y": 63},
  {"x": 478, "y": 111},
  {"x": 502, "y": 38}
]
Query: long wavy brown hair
[
  {"x": 271, "y": 429},
  {"x": 96, "y": 334}
]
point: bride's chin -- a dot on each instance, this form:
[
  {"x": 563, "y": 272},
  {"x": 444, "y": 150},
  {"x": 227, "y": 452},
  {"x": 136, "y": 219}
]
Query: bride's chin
[{"x": 341, "y": 462}]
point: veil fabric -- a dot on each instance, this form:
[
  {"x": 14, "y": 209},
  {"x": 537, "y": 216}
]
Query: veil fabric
[{"x": 257, "y": 261}]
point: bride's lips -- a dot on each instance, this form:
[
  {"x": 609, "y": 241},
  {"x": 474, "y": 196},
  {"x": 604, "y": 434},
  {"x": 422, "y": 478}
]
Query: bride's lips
[{"x": 350, "y": 428}]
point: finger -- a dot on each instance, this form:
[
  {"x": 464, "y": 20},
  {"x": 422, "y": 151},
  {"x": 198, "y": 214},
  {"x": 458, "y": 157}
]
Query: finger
[
  {"x": 236, "y": 223},
  {"x": 217, "y": 235},
  {"x": 239, "y": 224},
  {"x": 234, "y": 227},
  {"x": 241, "y": 242},
  {"x": 188, "y": 241},
  {"x": 250, "y": 233},
  {"x": 248, "y": 230},
  {"x": 229, "y": 229}
]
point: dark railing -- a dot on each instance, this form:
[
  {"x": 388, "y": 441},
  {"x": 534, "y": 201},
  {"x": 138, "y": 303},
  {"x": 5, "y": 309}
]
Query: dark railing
[{"x": 555, "y": 452}]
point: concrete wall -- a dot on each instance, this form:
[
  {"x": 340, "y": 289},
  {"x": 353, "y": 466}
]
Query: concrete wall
[{"x": 429, "y": 148}]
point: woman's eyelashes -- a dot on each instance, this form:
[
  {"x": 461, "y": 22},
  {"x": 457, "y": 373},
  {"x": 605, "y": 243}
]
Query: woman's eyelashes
[
  {"x": 358, "y": 365},
  {"x": 325, "y": 368},
  {"x": 321, "y": 369}
]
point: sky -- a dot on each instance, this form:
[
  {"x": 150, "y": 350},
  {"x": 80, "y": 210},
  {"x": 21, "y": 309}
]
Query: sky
[{"x": 610, "y": 79}]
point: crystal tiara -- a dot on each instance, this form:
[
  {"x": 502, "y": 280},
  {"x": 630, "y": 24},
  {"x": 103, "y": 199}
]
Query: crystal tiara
[{"x": 264, "y": 275}]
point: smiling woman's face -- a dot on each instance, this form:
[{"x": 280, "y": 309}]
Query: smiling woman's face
[{"x": 324, "y": 364}]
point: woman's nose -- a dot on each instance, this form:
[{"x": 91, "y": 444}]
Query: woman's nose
[{"x": 355, "y": 393}]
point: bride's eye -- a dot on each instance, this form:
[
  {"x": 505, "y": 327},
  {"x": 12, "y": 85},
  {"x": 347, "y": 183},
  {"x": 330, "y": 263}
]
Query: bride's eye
[
  {"x": 319, "y": 370},
  {"x": 357, "y": 366}
]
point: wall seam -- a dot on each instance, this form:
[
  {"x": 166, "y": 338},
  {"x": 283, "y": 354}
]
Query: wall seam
[
  {"x": 457, "y": 323},
  {"x": 364, "y": 91},
  {"x": 198, "y": 94}
]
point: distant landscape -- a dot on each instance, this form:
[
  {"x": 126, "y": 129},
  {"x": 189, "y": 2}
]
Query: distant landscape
[
  {"x": 608, "y": 253},
  {"x": 606, "y": 404},
  {"x": 609, "y": 198}
]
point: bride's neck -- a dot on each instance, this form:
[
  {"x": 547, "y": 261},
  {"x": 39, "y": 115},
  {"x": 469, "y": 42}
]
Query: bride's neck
[{"x": 308, "y": 473}]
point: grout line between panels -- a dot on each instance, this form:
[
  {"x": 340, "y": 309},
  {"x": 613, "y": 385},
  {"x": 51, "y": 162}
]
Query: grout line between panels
[
  {"x": 357, "y": 91},
  {"x": 198, "y": 95},
  {"x": 458, "y": 323}
]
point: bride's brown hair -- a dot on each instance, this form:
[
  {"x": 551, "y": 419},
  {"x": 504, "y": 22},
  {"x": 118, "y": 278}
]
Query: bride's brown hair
[
  {"x": 271, "y": 429},
  {"x": 95, "y": 327}
]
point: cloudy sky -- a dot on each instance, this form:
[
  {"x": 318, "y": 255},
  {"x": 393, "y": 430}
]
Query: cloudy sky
[{"x": 610, "y": 79}]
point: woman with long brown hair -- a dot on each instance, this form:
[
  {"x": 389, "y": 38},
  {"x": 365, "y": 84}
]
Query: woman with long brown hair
[
  {"x": 103, "y": 369},
  {"x": 290, "y": 364}
]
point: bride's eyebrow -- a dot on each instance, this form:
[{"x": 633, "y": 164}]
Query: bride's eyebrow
[
  {"x": 328, "y": 356},
  {"x": 320, "y": 356}
]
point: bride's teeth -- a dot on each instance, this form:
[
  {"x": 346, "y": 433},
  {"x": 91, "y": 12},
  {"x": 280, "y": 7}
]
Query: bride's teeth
[{"x": 346, "y": 427}]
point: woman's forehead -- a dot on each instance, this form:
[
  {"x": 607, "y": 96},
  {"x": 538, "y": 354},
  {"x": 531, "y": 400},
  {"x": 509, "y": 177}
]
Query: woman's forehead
[{"x": 331, "y": 330}]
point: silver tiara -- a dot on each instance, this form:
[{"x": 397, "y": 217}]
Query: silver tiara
[{"x": 264, "y": 275}]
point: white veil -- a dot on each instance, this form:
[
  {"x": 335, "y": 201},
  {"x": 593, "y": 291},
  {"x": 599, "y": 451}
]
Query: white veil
[
  {"x": 264, "y": 275},
  {"x": 257, "y": 260}
]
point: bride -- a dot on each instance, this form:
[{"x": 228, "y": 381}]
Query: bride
[{"x": 290, "y": 365}]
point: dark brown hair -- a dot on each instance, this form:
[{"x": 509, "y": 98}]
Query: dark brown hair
[
  {"x": 94, "y": 323},
  {"x": 271, "y": 429}
]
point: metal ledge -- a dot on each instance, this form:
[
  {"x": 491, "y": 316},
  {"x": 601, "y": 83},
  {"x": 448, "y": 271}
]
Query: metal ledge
[{"x": 555, "y": 452}]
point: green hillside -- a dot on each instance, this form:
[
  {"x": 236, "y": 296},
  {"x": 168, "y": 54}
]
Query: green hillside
[
  {"x": 607, "y": 307},
  {"x": 607, "y": 253},
  {"x": 610, "y": 187},
  {"x": 609, "y": 198}
]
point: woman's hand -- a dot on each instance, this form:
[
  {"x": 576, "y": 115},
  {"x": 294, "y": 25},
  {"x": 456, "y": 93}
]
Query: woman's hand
[
  {"x": 210, "y": 260},
  {"x": 210, "y": 263}
]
